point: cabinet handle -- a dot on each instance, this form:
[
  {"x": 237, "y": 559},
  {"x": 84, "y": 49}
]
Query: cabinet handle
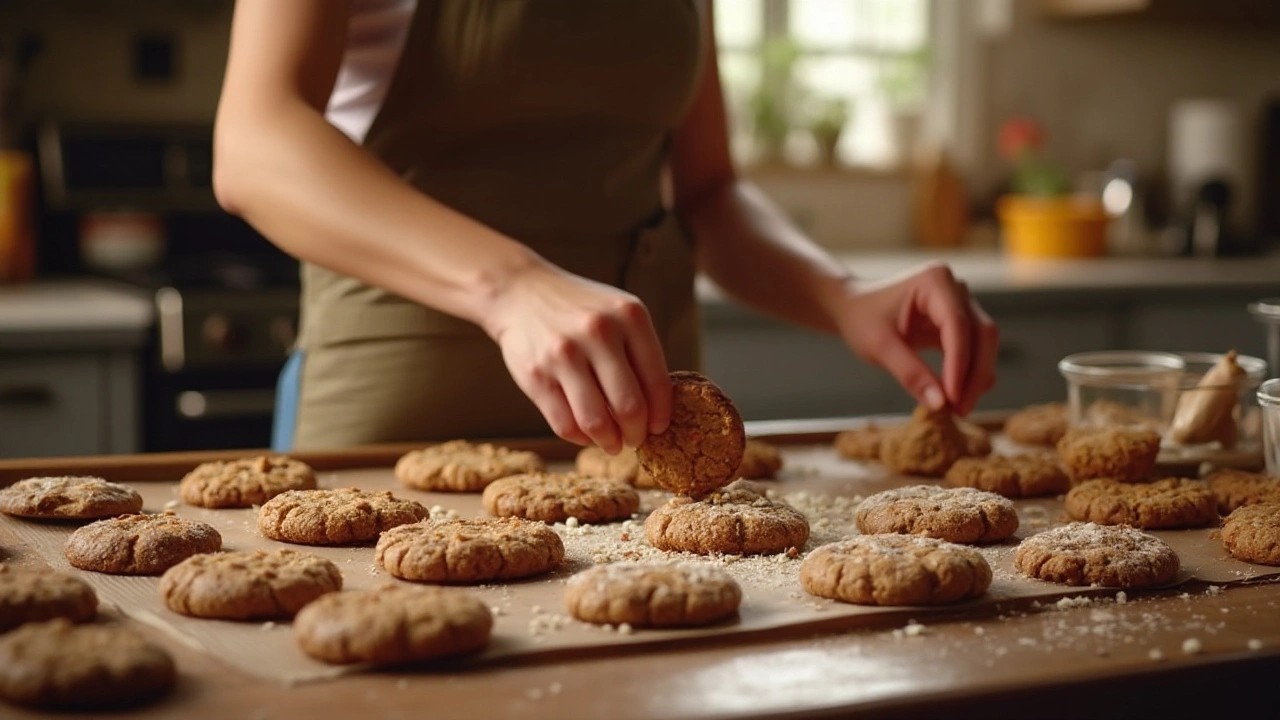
[{"x": 26, "y": 396}]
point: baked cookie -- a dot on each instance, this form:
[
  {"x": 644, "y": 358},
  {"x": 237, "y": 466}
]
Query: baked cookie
[
  {"x": 551, "y": 498},
  {"x": 977, "y": 441},
  {"x": 652, "y": 594},
  {"x": 1088, "y": 554},
  {"x": 624, "y": 467},
  {"x": 1116, "y": 453},
  {"x": 959, "y": 515},
  {"x": 1252, "y": 533},
  {"x": 860, "y": 443},
  {"x": 393, "y": 624},
  {"x": 37, "y": 594},
  {"x": 335, "y": 517},
  {"x": 255, "y": 585},
  {"x": 704, "y": 444},
  {"x": 1168, "y": 503},
  {"x": 736, "y": 520},
  {"x": 244, "y": 483},
  {"x": 460, "y": 466},
  {"x": 760, "y": 461},
  {"x": 68, "y": 498},
  {"x": 927, "y": 445},
  {"x": 468, "y": 551},
  {"x": 1237, "y": 488},
  {"x": 139, "y": 544},
  {"x": 1038, "y": 425},
  {"x": 57, "y": 665},
  {"x": 1014, "y": 476},
  {"x": 895, "y": 570}
]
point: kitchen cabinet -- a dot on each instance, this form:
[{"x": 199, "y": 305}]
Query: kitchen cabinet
[{"x": 71, "y": 368}]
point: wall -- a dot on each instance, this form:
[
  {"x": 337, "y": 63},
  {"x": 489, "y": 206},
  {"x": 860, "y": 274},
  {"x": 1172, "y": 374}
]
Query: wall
[
  {"x": 85, "y": 70},
  {"x": 1103, "y": 87}
]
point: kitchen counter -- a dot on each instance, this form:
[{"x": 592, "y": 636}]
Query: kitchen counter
[
  {"x": 991, "y": 274},
  {"x": 1194, "y": 649},
  {"x": 86, "y": 312}
]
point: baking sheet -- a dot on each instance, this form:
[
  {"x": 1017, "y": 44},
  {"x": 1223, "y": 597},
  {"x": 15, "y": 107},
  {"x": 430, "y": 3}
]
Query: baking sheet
[{"x": 530, "y": 621}]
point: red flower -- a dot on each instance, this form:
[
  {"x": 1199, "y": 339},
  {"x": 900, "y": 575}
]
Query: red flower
[{"x": 1018, "y": 135}]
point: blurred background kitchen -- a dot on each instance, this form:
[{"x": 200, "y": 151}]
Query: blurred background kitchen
[{"x": 1105, "y": 174}]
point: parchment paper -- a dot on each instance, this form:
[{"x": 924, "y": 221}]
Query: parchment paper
[{"x": 530, "y": 620}]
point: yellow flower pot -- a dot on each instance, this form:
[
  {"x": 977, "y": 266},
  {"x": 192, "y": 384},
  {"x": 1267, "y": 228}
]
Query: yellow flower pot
[{"x": 1070, "y": 226}]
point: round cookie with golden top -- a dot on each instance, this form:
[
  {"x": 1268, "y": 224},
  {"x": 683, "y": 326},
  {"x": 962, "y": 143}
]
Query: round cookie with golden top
[
  {"x": 469, "y": 551},
  {"x": 1013, "y": 476},
  {"x": 650, "y": 594},
  {"x": 1252, "y": 533},
  {"x": 462, "y": 466},
  {"x": 335, "y": 517},
  {"x": 624, "y": 467},
  {"x": 393, "y": 624},
  {"x": 255, "y": 585},
  {"x": 1090, "y": 554},
  {"x": 861, "y": 444},
  {"x": 895, "y": 570},
  {"x": 1125, "y": 455},
  {"x": 68, "y": 498},
  {"x": 1042, "y": 425},
  {"x": 57, "y": 665},
  {"x": 244, "y": 483},
  {"x": 703, "y": 446},
  {"x": 1237, "y": 488},
  {"x": 37, "y": 594},
  {"x": 1164, "y": 504},
  {"x": 552, "y": 498},
  {"x": 760, "y": 461},
  {"x": 139, "y": 544},
  {"x": 959, "y": 515},
  {"x": 736, "y": 520},
  {"x": 927, "y": 445}
]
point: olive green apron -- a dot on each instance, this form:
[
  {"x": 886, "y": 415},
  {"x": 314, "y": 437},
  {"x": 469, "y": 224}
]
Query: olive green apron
[{"x": 549, "y": 121}]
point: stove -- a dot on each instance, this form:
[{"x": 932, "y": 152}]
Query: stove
[{"x": 226, "y": 299}]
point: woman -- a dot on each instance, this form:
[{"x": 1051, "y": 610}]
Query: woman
[{"x": 496, "y": 202}]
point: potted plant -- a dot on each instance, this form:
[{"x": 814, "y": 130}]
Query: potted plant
[
  {"x": 772, "y": 101},
  {"x": 1040, "y": 217},
  {"x": 827, "y": 124}
]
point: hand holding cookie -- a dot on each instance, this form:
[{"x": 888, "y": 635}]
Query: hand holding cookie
[{"x": 702, "y": 449}]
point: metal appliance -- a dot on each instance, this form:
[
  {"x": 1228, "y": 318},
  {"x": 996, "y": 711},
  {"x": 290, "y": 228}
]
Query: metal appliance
[{"x": 226, "y": 299}]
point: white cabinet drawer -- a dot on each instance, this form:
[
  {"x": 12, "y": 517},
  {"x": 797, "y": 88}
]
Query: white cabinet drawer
[{"x": 52, "y": 404}]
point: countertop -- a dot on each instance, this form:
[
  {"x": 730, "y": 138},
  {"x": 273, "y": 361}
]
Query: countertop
[
  {"x": 68, "y": 306},
  {"x": 989, "y": 273}
]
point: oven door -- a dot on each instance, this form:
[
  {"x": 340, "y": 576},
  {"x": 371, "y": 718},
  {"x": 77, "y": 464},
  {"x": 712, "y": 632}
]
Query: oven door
[{"x": 210, "y": 412}]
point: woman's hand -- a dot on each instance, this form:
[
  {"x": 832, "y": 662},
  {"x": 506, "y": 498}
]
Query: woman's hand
[
  {"x": 585, "y": 353},
  {"x": 887, "y": 322}
]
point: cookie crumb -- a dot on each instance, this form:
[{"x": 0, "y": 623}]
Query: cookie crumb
[
  {"x": 533, "y": 693},
  {"x": 1254, "y": 644},
  {"x": 269, "y": 625},
  {"x": 171, "y": 505},
  {"x": 624, "y": 629},
  {"x": 1155, "y": 654},
  {"x": 1122, "y": 597},
  {"x": 555, "y": 688},
  {"x": 914, "y": 629},
  {"x": 1192, "y": 646},
  {"x": 979, "y": 630},
  {"x": 571, "y": 522},
  {"x": 1214, "y": 590}
]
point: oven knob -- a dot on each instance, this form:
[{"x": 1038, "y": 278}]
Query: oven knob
[{"x": 221, "y": 334}]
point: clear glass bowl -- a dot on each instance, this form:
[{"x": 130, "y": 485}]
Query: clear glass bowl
[
  {"x": 1269, "y": 401},
  {"x": 1122, "y": 388}
]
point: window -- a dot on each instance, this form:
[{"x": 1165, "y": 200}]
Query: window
[{"x": 850, "y": 75}]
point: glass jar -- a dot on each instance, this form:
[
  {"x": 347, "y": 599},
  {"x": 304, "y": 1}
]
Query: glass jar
[
  {"x": 1122, "y": 388},
  {"x": 1269, "y": 402}
]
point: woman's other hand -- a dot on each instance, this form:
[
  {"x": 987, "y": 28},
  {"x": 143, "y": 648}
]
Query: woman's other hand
[
  {"x": 585, "y": 353},
  {"x": 887, "y": 322}
]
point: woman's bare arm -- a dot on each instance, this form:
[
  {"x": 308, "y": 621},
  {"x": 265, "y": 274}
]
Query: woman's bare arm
[
  {"x": 752, "y": 251},
  {"x": 585, "y": 353}
]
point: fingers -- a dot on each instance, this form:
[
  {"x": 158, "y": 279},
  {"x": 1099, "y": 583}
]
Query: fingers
[
  {"x": 910, "y": 371},
  {"x": 644, "y": 354},
  {"x": 986, "y": 348},
  {"x": 550, "y": 400},
  {"x": 591, "y": 411},
  {"x": 948, "y": 307},
  {"x": 613, "y": 368}
]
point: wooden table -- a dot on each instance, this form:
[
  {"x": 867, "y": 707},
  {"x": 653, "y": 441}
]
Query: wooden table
[{"x": 1099, "y": 659}]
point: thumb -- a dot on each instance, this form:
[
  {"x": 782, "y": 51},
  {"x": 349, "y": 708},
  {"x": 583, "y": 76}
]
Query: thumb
[{"x": 911, "y": 372}]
